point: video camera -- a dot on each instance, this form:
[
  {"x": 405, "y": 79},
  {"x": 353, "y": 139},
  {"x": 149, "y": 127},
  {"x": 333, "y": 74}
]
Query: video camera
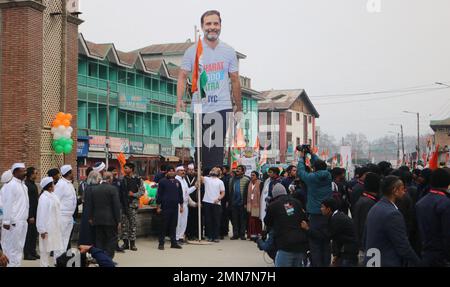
[{"x": 306, "y": 149}]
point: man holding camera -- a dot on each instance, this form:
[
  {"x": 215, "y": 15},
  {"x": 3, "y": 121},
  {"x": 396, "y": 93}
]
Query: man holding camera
[{"x": 318, "y": 183}]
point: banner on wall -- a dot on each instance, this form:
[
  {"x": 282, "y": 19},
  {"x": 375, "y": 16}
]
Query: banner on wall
[{"x": 133, "y": 103}]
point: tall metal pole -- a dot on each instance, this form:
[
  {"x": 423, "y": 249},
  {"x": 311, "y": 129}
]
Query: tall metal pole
[
  {"x": 108, "y": 88},
  {"x": 403, "y": 146},
  {"x": 199, "y": 174},
  {"x": 418, "y": 136},
  {"x": 398, "y": 147}
]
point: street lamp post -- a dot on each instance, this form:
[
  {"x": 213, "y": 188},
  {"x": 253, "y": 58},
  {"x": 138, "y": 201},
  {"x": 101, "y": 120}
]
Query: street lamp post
[
  {"x": 418, "y": 132},
  {"x": 403, "y": 141},
  {"x": 398, "y": 144}
]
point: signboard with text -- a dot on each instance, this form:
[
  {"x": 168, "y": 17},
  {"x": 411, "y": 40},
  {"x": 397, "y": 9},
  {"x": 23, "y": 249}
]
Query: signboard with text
[{"x": 133, "y": 103}]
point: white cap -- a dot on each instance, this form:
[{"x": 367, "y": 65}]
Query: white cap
[
  {"x": 65, "y": 169},
  {"x": 7, "y": 176},
  {"x": 99, "y": 166},
  {"x": 191, "y": 166},
  {"x": 16, "y": 166},
  {"x": 45, "y": 181},
  {"x": 179, "y": 168}
]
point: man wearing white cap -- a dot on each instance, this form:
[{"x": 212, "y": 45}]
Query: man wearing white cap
[
  {"x": 182, "y": 217},
  {"x": 6, "y": 177},
  {"x": 66, "y": 194},
  {"x": 48, "y": 221},
  {"x": 15, "y": 215},
  {"x": 99, "y": 167}
]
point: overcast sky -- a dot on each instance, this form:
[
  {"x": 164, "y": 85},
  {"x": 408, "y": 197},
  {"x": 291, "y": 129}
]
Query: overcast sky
[{"x": 327, "y": 47}]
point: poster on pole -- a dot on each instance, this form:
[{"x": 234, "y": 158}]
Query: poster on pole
[
  {"x": 346, "y": 156},
  {"x": 250, "y": 164}
]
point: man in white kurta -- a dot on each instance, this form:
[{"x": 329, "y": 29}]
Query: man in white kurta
[
  {"x": 48, "y": 222},
  {"x": 66, "y": 194},
  {"x": 183, "y": 217},
  {"x": 15, "y": 216}
]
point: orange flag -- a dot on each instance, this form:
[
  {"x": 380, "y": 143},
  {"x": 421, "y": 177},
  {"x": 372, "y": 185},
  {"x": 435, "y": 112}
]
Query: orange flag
[
  {"x": 434, "y": 159},
  {"x": 257, "y": 145},
  {"x": 240, "y": 142},
  {"x": 122, "y": 161}
]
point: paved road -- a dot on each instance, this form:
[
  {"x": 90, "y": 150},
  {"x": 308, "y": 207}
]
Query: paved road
[{"x": 227, "y": 253}]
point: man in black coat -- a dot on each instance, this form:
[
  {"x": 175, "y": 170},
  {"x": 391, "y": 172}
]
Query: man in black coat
[
  {"x": 362, "y": 207},
  {"x": 103, "y": 207},
  {"x": 225, "y": 217},
  {"x": 340, "y": 231},
  {"x": 358, "y": 189},
  {"x": 433, "y": 216},
  {"x": 386, "y": 230},
  {"x": 32, "y": 234},
  {"x": 283, "y": 216},
  {"x": 169, "y": 199}
]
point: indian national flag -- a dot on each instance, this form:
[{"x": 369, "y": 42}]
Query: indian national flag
[{"x": 199, "y": 77}]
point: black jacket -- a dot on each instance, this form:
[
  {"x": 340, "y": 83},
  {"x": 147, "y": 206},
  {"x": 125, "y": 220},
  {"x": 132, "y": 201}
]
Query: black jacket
[
  {"x": 433, "y": 216},
  {"x": 406, "y": 207},
  {"x": 33, "y": 197},
  {"x": 170, "y": 194},
  {"x": 341, "y": 232},
  {"x": 103, "y": 205},
  {"x": 284, "y": 216},
  {"x": 386, "y": 231},
  {"x": 359, "y": 215},
  {"x": 356, "y": 191}
]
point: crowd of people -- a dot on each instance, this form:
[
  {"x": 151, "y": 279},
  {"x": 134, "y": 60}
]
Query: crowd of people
[
  {"x": 382, "y": 217},
  {"x": 306, "y": 215}
]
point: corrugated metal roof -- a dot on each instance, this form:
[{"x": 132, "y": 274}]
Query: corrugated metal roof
[
  {"x": 284, "y": 99},
  {"x": 440, "y": 123},
  {"x": 172, "y": 48}
]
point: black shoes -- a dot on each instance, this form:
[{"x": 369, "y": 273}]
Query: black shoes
[
  {"x": 176, "y": 246},
  {"x": 234, "y": 238},
  {"x": 126, "y": 244},
  {"x": 29, "y": 258},
  {"x": 133, "y": 245},
  {"x": 161, "y": 247},
  {"x": 243, "y": 238},
  {"x": 119, "y": 249}
]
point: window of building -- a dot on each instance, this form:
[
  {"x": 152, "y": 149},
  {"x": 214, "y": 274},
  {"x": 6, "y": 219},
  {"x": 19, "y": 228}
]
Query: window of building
[
  {"x": 155, "y": 85},
  {"x": 289, "y": 138},
  {"x": 289, "y": 118},
  {"x": 122, "y": 122},
  {"x": 139, "y": 124},
  {"x": 309, "y": 119},
  {"x": 102, "y": 117},
  {"x": 310, "y": 142},
  {"x": 298, "y": 117},
  {"x": 139, "y": 80},
  {"x": 93, "y": 70},
  {"x": 148, "y": 124},
  {"x": 112, "y": 74},
  {"x": 122, "y": 77},
  {"x": 298, "y": 142},
  {"x": 92, "y": 116},
  {"x": 82, "y": 67},
  {"x": 82, "y": 115},
  {"x": 130, "y": 123},
  {"x": 131, "y": 79},
  {"x": 155, "y": 124},
  {"x": 147, "y": 83},
  {"x": 113, "y": 119},
  {"x": 269, "y": 118},
  {"x": 103, "y": 72}
]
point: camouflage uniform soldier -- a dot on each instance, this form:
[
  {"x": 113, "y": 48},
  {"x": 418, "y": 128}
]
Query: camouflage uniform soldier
[{"x": 131, "y": 189}]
